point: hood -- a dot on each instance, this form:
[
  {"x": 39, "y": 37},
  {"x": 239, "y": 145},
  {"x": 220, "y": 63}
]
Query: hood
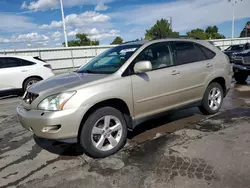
[
  {"x": 64, "y": 82},
  {"x": 229, "y": 52}
]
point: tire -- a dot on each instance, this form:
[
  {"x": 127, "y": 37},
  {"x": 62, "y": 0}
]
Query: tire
[
  {"x": 209, "y": 101},
  {"x": 27, "y": 82},
  {"x": 240, "y": 77},
  {"x": 89, "y": 141}
]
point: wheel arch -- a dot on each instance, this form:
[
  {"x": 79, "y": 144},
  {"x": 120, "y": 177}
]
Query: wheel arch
[
  {"x": 34, "y": 76},
  {"x": 222, "y": 82},
  {"x": 116, "y": 103}
]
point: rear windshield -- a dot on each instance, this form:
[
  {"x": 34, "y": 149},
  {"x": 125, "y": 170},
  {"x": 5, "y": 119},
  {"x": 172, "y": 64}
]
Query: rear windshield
[{"x": 235, "y": 48}]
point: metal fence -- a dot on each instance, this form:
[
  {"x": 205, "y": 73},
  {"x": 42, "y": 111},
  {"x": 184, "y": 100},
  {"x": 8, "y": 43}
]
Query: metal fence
[
  {"x": 225, "y": 43},
  {"x": 62, "y": 59}
]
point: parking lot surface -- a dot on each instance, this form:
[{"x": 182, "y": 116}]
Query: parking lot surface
[{"x": 181, "y": 149}]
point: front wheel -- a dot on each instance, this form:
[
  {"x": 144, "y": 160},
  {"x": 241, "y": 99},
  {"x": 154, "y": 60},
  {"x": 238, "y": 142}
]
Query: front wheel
[
  {"x": 104, "y": 132},
  {"x": 212, "y": 99}
]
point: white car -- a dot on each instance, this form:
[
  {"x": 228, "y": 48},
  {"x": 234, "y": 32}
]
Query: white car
[{"x": 19, "y": 72}]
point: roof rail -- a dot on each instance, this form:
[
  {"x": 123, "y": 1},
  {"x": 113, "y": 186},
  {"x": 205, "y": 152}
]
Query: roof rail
[
  {"x": 182, "y": 37},
  {"x": 131, "y": 41},
  {"x": 189, "y": 37}
]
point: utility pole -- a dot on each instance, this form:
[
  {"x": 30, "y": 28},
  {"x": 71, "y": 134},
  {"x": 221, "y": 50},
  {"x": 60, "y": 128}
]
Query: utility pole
[
  {"x": 233, "y": 20},
  {"x": 64, "y": 25},
  {"x": 171, "y": 23}
]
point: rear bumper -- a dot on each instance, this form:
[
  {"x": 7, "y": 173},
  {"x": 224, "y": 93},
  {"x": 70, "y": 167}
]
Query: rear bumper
[{"x": 59, "y": 125}]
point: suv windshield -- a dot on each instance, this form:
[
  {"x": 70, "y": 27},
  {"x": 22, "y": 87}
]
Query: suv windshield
[
  {"x": 235, "y": 48},
  {"x": 110, "y": 61}
]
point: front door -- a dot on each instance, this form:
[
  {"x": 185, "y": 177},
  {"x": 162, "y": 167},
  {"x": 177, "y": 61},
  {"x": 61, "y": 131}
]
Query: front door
[{"x": 157, "y": 90}]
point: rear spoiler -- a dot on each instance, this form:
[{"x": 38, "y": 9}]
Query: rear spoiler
[{"x": 38, "y": 58}]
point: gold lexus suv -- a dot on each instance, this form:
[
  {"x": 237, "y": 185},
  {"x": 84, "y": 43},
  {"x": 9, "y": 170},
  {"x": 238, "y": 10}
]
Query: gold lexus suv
[{"x": 96, "y": 105}]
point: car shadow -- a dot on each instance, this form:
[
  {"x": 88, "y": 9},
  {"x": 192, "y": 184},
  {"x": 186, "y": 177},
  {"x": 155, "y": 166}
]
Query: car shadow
[
  {"x": 164, "y": 119},
  {"x": 59, "y": 148}
]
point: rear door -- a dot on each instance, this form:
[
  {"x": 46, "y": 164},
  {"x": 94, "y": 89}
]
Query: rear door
[
  {"x": 13, "y": 72},
  {"x": 195, "y": 68}
]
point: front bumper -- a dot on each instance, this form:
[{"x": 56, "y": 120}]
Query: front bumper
[
  {"x": 58, "y": 125},
  {"x": 241, "y": 68}
]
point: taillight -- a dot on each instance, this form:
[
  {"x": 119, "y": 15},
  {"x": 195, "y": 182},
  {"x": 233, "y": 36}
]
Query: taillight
[{"x": 47, "y": 66}]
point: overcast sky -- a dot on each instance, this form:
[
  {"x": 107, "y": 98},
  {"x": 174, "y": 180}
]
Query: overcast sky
[{"x": 37, "y": 23}]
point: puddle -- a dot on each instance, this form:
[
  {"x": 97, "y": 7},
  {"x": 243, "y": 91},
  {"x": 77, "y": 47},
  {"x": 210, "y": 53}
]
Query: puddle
[{"x": 223, "y": 120}]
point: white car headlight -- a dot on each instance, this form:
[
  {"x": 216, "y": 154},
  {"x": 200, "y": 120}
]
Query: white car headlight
[{"x": 55, "y": 102}]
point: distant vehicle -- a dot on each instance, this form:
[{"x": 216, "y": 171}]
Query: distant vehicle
[
  {"x": 124, "y": 86},
  {"x": 241, "y": 66},
  {"x": 231, "y": 50},
  {"x": 17, "y": 73}
]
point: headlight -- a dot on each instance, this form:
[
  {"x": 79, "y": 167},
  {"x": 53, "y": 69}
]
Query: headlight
[{"x": 55, "y": 102}]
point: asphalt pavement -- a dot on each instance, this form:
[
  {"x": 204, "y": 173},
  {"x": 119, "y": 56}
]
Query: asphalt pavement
[{"x": 181, "y": 149}]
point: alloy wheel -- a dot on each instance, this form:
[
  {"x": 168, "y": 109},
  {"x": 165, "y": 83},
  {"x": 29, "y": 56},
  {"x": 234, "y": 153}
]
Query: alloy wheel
[
  {"x": 215, "y": 98},
  {"x": 106, "y": 133}
]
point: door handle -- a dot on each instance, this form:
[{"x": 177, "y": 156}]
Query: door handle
[
  {"x": 24, "y": 70},
  {"x": 209, "y": 65},
  {"x": 175, "y": 72}
]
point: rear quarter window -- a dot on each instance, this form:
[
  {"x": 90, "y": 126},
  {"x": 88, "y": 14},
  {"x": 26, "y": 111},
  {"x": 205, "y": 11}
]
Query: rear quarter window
[
  {"x": 27, "y": 63},
  {"x": 208, "y": 53}
]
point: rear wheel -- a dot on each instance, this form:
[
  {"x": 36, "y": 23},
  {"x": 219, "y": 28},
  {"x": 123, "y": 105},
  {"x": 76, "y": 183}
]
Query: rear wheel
[
  {"x": 240, "y": 77},
  {"x": 104, "y": 132},
  {"x": 30, "y": 81},
  {"x": 212, "y": 100}
]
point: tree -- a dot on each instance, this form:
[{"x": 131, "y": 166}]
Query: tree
[
  {"x": 117, "y": 40},
  {"x": 82, "y": 40},
  {"x": 161, "y": 29},
  {"x": 198, "y": 33},
  {"x": 211, "y": 32},
  {"x": 139, "y": 39},
  {"x": 246, "y": 30},
  {"x": 95, "y": 43}
]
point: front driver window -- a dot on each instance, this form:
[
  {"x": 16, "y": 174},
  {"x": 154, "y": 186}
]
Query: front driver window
[{"x": 158, "y": 54}]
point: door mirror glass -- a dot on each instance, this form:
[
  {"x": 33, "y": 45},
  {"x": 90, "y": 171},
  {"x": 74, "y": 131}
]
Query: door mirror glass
[{"x": 142, "y": 66}]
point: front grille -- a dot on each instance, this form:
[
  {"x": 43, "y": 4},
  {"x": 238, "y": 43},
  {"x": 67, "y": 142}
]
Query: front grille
[
  {"x": 29, "y": 97},
  {"x": 238, "y": 60}
]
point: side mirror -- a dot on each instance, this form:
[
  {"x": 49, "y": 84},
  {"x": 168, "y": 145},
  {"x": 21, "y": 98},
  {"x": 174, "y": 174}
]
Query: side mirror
[{"x": 142, "y": 66}]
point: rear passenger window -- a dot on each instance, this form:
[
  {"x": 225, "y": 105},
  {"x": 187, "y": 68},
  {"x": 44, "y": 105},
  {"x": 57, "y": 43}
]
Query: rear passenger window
[
  {"x": 208, "y": 53},
  {"x": 10, "y": 62},
  {"x": 188, "y": 52}
]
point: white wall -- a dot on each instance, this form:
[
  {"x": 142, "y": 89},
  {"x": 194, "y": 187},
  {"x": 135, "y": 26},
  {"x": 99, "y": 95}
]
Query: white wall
[{"x": 63, "y": 59}]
